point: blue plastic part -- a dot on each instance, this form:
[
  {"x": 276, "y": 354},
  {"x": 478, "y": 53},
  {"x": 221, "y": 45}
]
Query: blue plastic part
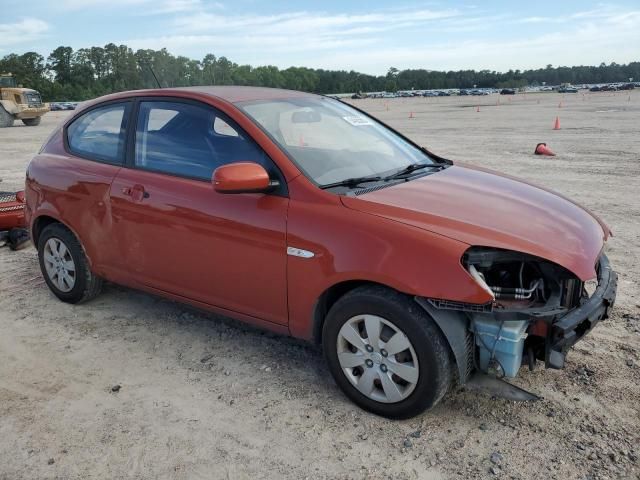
[{"x": 502, "y": 341}]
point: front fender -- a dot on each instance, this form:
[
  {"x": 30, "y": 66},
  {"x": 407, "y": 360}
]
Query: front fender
[{"x": 364, "y": 247}]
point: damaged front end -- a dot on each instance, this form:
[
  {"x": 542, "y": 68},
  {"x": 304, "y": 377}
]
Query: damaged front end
[{"x": 539, "y": 310}]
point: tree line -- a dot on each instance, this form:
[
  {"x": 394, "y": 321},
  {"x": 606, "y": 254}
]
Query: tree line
[{"x": 90, "y": 72}]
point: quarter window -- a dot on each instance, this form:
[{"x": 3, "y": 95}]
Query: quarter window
[
  {"x": 190, "y": 140},
  {"x": 100, "y": 134}
]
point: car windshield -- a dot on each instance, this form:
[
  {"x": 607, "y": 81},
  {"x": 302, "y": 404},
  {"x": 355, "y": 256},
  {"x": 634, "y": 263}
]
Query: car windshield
[{"x": 332, "y": 142}]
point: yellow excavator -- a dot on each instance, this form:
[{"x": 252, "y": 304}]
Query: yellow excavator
[{"x": 17, "y": 103}]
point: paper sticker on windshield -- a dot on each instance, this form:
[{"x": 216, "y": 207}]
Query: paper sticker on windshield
[{"x": 358, "y": 121}]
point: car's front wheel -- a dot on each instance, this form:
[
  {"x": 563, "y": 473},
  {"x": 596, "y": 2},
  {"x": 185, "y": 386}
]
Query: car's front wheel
[
  {"x": 31, "y": 122},
  {"x": 64, "y": 265},
  {"x": 386, "y": 353}
]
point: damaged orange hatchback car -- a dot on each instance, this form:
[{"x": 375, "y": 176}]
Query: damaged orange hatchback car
[{"x": 307, "y": 216}]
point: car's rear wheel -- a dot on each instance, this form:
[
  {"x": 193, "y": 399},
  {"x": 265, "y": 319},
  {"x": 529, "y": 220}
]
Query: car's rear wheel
[
  {"x": 65, "y": 267},
  {"x": 386, "y": 353}
]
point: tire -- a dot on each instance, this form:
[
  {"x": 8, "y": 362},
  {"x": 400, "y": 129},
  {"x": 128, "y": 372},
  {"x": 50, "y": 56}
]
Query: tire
[
  {"x": 82, "y": 285},
  {"x": 31, "y": 122},
  {"x": 6, "y": 119},
  {"x": 428, "y": 351}
]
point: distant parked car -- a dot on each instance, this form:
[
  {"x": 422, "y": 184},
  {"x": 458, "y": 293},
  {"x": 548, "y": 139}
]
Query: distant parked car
[
  {"x": 567, "y": 89},
  {"x": 627, "y": 86},
  {"x": 55, "y": 107},
  {"x": 463, "y": 92},
  {"x": 443, "y": 94},
  {"x": 595, "y": 88},
  {"x": 508, "y": 91}
]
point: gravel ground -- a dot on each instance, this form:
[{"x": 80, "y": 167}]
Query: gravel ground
[{"x": 135, "y": 386}]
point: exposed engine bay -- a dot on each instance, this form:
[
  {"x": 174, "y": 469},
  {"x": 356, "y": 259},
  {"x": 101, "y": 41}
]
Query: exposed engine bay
[
  {"x": 521, "y": 281},
  {"x": 520, "y": 284},
  {"x": 539, "y": 310}
]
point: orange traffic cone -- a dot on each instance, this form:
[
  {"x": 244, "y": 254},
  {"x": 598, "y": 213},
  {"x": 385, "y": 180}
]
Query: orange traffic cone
[
  {"x": 541, "y": 149},
  {"x": 478, "y": 108},
  {"x": 556, "y": 126},
  {"x": 410, "y": 114},
  {"x": 301, "y": 142}
]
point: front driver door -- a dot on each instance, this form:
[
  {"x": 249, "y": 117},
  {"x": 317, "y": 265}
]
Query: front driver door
[{"x": 176, "y": 234}]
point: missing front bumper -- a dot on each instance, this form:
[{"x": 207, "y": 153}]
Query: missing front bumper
[{"x": 563, "y": 330}]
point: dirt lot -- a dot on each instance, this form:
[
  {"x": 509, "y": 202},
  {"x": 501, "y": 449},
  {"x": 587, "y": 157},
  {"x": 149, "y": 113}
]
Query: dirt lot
[{"x": 204, "y": 397}]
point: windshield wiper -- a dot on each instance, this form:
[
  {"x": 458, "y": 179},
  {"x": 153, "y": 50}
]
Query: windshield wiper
[
  {"x": 351, "y": 182},
  {"x": 409, "y": 169}
]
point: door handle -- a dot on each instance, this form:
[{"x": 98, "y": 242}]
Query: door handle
[{"x": 137, "y": 192}]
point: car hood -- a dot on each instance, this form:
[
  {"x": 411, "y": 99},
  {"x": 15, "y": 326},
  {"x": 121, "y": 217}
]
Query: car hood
[{"x": 483, "y": 208}]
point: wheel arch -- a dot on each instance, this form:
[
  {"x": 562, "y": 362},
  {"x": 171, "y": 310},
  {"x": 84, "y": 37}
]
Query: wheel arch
[
  {"x": 452, "y": 325},
  {"x": 330, "y": 296},
  {"x": 39, "y": 224}
]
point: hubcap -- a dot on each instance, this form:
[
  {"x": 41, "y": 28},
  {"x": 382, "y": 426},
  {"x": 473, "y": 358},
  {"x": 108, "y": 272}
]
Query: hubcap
[
  {"x": 59, "y": 265},
  {"x": 377, "y": 358}
]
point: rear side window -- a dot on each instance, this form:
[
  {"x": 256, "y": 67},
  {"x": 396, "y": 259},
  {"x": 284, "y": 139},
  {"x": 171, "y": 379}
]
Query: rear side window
[
  {"x": 190, "y": 140},
  {"x": 100, "y": 134}
]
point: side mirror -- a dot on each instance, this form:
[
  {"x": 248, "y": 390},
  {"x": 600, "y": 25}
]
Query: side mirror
[{"x": 242, "y": 177}]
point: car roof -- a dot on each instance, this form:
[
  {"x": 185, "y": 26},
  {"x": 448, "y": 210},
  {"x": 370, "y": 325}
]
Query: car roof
[{"x": 232, "y": 94}]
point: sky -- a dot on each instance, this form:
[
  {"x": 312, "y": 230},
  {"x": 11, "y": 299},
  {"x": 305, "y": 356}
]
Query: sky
[{"x": 366, "y": 36}]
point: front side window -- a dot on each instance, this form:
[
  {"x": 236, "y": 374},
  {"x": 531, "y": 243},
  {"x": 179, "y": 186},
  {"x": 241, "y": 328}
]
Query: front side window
[
  {"x": 100, "y": 134},
  {"x": 189, "y": 140},
  {"x": 331, "y": 141}
]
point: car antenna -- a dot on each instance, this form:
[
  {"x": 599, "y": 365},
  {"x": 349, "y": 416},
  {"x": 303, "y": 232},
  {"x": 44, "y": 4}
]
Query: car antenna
[{"x": 148, "y": 65}]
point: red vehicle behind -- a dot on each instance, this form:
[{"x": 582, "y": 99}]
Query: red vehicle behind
[
  {"x": 11, "y": 210},
  {"x": 306, "y": 216}
]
